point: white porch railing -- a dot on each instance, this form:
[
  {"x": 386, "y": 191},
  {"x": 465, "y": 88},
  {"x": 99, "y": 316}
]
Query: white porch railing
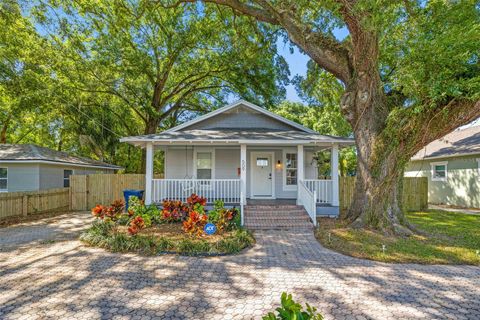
[
  {"x": 308, "y": 199},
  {"x": 227, "y": 190},
  {"x": 323, "y": 189}
]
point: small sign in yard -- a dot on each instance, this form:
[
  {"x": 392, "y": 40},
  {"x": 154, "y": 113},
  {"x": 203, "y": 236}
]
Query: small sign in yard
[{"x": 210, "y": 228}]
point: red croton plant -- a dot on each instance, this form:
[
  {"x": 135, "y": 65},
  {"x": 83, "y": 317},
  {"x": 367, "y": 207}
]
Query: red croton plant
[
  {"x": 174, "y": 210},
  {"x": 136, "y": 225},
  {"x": 196, "y": 199},
  {"x": 111, "y": 212},
  {"x": 195, "y": 223}
]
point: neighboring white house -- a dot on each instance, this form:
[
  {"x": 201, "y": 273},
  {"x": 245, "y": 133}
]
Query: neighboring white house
[
  {"x": 28, "y": 167},
  {"x": 452, "y": 165},
  {"x": 239, "y": 153}
]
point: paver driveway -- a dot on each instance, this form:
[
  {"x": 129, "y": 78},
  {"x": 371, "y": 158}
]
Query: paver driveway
[{"x": 67, "y": 280}]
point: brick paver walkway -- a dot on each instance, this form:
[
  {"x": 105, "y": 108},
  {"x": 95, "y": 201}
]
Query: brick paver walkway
[{"x": 66, "y": 280}]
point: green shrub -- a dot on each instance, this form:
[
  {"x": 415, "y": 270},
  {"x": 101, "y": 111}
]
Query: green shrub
[
  {"x": 189, "y": 246},
  {"x": 214, "y": 215},
  {"x": 150, "y": 214},
  {"x": 165, "y": 244},
  {"x": 104, "y": 234},
  {"x": 290, "y": 310}
]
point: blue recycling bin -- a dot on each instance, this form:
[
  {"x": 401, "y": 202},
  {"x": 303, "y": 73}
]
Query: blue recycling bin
[{"x": 131, "y": 192}]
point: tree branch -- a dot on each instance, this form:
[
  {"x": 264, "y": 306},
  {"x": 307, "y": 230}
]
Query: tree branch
[
  {"x": 322, "y": 48},
  {"x": 439, "y": 121},
  {"x": 245, "y": 9}
]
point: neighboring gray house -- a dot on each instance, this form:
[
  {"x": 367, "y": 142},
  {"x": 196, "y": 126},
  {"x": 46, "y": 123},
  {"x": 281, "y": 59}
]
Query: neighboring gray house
[
  {"x": 243, "y": 152},
  {"x": 27, "y": 167},
  {"x": 452, "y": 165}
]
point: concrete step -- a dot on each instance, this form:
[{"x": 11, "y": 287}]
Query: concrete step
[
  {"x": 294, "y": 228},
  {"x": 261, "y": 218},
  {"x": 274, "y": 207},
  {"x": 277, "y": 217},
  {"x": 276, "y": 211}
]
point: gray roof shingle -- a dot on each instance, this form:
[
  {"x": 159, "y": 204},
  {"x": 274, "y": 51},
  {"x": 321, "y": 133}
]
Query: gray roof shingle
[
  {"x": 459, "y": 142},
  {"x": 239, "y": 134},
  {"x": 31, "y": 152}
]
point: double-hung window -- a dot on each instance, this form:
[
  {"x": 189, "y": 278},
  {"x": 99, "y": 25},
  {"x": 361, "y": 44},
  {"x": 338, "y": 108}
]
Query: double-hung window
[
  {"x": 204, "y": 165},
  {"x": 66, "y": 178},
  {"x": 291, "y": 170},
  {"x": 439, "y": 171},
  {"x": 3, "y": 179}
]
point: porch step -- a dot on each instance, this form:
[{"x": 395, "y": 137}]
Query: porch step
[{"x": 267, "y": 217}]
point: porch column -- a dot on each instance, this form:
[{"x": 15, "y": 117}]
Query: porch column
[
  {"x": 334, "y": 164},
  {"x": 243, "y": 172},
  {"x": 149, "y": 173},
  {"x": 300, "y": 169}
]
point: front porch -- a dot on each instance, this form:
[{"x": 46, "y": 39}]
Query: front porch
[
  {"x": 243, "y": 151},
  {"x": 245, "y": 174}
]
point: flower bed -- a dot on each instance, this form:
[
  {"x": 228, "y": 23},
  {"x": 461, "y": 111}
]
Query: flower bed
[{"x": 177, "y": 228}]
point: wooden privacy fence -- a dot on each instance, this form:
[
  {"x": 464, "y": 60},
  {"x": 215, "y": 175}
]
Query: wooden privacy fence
[
  {"x": 33, "y": 202},
  {"x": 86, "y": 191},
  {"x": 415, "y": 193}
]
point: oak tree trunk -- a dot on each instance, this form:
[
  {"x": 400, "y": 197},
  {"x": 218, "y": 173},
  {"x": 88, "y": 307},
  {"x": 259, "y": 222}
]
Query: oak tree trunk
[
  {"x": 377, "y": 198},
  {"x": 378, "y": 190}
]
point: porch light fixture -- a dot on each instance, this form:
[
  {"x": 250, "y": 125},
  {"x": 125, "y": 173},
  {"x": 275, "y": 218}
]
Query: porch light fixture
[{"x": 279, "y": 165}]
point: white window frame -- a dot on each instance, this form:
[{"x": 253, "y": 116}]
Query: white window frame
[
  {"x": 203, "y": 150},
  {"x": 284, "y": 170},
  {"x": 73, "y": 172},
  {"x": 4, "y": 190},
  {"x": 442, "y": 163}
]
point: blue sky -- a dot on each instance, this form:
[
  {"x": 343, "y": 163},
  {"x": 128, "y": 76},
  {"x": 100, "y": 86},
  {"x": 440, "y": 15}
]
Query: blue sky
[{"x": 297, "y": 61}]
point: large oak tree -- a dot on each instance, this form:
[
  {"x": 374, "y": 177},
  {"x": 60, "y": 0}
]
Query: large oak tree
[
  {"x": 153, "y": 67},
  {"x": 410, "y": 70}
]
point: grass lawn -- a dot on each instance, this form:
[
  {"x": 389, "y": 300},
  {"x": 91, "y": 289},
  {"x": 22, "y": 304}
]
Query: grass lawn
[{"x": 453, "y": 238}]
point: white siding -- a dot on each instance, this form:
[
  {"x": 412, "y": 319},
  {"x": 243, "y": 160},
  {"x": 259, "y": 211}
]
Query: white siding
[
  {"x": 311, "y": 171},
  {"x": 227, "y": 162},
  {"x": 175, "y": 165},
  {"x": 22, "y": 177},
  {"x": 51, "y": 175}
]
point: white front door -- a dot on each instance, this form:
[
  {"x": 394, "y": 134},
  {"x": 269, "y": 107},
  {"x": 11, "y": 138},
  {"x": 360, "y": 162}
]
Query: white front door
[{"x": 261, "y": 185}]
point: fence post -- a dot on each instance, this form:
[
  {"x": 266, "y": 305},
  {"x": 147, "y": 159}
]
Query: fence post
[
  {"x": 25, "y": 205},
  {"x": 87, "y": 193}
]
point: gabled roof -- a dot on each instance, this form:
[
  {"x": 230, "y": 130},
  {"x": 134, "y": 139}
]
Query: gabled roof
[
  {"x": 290, "y": 133},
  {"x": 460, "y": 142},
  {"x": 234, "y": 105},
  {"x": 30, "y": 153}
]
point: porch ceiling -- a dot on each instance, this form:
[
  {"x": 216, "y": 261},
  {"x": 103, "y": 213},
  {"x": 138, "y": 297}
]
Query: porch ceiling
[{"x": 226, "y": 135}]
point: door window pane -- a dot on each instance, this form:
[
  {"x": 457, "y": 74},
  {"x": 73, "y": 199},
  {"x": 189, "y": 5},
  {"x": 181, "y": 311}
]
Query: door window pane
[{"x": 262, "y": 162}]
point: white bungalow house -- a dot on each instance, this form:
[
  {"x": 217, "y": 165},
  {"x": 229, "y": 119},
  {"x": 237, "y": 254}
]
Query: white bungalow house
[{"x": 242, "y": 153}]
